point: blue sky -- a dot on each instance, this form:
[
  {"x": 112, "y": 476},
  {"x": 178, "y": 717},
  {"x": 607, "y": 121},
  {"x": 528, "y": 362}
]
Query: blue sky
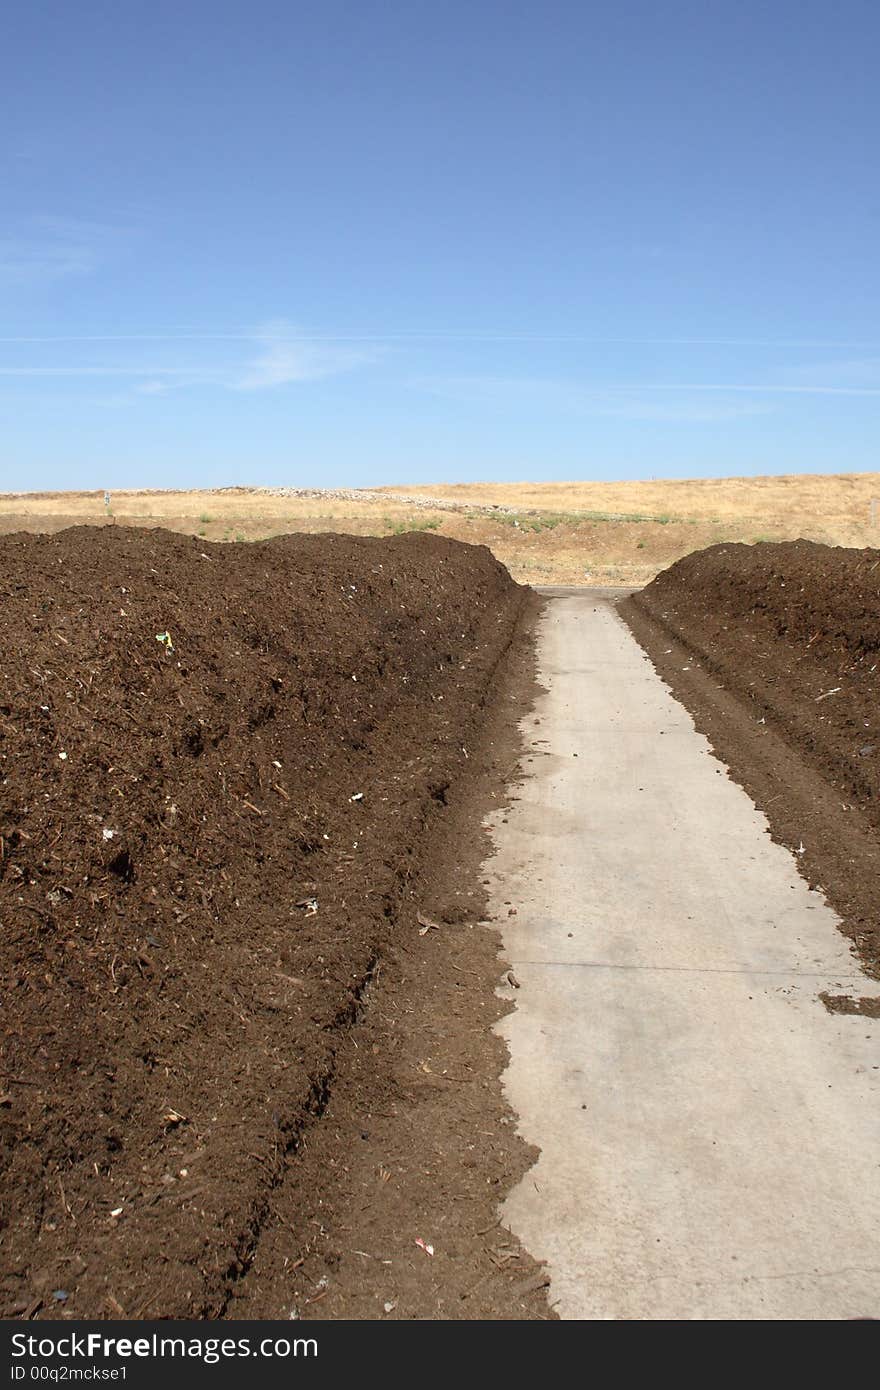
[{"x": 356, "y": 243}]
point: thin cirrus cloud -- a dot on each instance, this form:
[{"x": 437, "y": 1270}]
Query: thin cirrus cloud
[
  {"x": 27, "y": 262},
  {"x": 633, "y": 401},
  {"x": 282, "y": 355},
  {"x": 644, "y": 400},
  {"x": 853, "y": 374},
  {"x": 755, "y": 388},
  {"x": 281, "y": 331},
  {"x": 54, "y": 248},
  {"x": 285, "y": 359},
  {"x": 280, "y": 358}
]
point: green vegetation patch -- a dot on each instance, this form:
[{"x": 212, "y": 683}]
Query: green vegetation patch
[
  {"x": 397, "y": 528},
  {"x": 548, "y": 521}
]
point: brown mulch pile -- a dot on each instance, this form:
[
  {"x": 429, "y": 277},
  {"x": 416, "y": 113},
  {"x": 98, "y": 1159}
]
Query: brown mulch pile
[
  {"x": 207, "y": 842},
  {"x": 782, "y": 650}
]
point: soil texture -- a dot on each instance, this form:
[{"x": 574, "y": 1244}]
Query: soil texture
[{"x": 228, "y": 778}]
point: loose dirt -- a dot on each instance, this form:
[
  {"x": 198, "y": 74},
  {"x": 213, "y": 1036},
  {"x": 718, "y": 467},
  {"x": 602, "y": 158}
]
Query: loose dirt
[
  {"x": 775, "y": 651},
  {"x": 417, "y": 1142},
  {"x": 227, "y": 774}
]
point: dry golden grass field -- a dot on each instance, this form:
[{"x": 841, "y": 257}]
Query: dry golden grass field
[{"x": 546, "y": 533}]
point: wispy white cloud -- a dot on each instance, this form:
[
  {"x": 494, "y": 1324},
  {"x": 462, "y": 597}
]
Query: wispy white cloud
[
  {"x": 622, "y": 401},
  {"x": 279, "y": 359},
  {"x": 633, "y": 399},
  {"x": 53, "y": 248},
  {"x": 850, "y": 374},
  {"x": 75, "y": 370},
  {"x": 685, "y": 410},
  {"x": 151, "y": 388},
  {"x": 283, "y": 363},
  {"x": 285, "y": 358},
  {"x": 286, "y": 332},
  {"x": 25, "y": 261},
  {"x": 753, "y": 388}
]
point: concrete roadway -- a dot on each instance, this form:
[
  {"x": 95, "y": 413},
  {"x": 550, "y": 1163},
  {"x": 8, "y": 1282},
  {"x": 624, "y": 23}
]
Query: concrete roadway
[{"x": 709, "y": 1134}]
